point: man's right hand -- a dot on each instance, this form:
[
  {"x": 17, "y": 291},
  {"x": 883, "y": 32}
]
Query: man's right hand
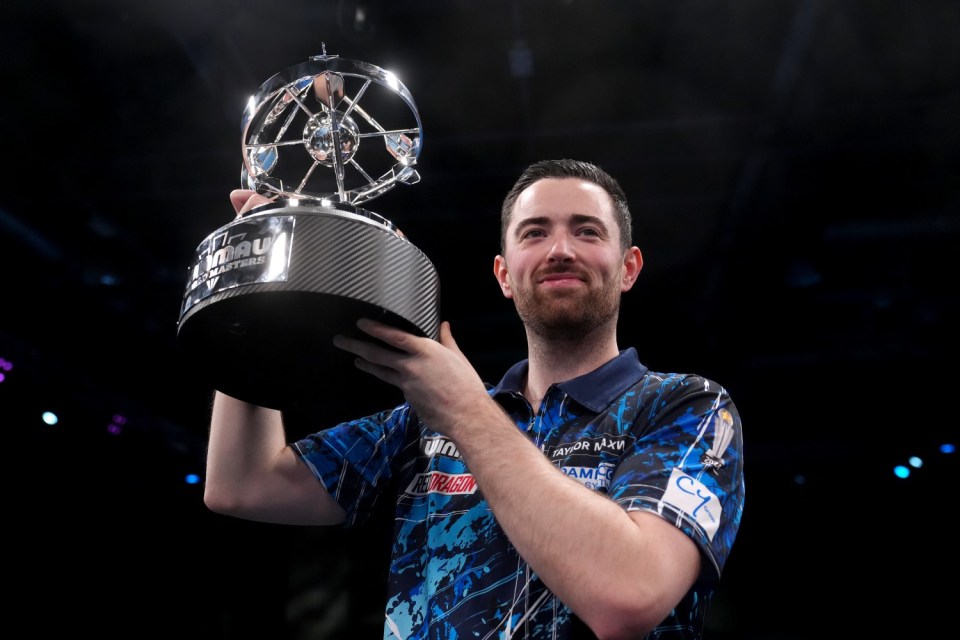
[{"x": 243, "y": 200}]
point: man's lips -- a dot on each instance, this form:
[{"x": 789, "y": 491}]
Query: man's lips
[{"x": 555, "y": 279}]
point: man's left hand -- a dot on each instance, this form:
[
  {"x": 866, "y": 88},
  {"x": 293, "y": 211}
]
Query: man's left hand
[{"x": 436, "y": 378}]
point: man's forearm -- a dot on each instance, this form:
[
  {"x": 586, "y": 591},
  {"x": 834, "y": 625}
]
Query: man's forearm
[{"x": 579, "y": 542}]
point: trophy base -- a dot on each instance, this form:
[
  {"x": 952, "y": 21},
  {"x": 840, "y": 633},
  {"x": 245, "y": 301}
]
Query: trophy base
[
  {"x": 275, "y": 349},
  {"x": 269, "y": 292}
]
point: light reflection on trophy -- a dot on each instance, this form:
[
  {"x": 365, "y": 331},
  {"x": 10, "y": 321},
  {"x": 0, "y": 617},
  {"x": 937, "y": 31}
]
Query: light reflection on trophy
[{"x": 267, "y": 292}]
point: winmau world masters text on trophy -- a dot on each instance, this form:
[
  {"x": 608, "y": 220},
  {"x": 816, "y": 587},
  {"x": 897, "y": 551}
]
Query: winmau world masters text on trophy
[{"x": 267, "y": 292}]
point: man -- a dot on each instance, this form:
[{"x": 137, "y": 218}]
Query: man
[{"x": 582, "y": 492}]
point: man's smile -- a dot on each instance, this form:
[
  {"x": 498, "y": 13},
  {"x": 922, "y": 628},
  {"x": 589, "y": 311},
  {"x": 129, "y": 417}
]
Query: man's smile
[{"x": 560, "y": 279}]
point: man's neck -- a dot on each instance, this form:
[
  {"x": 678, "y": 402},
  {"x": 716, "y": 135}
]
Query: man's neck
[{"x": 553, "y": 361}]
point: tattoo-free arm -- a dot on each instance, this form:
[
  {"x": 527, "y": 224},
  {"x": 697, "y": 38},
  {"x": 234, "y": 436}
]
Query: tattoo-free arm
[{"x": 253, "y": 474}]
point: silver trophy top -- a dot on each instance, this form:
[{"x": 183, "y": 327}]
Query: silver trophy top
[{"x": 309, "y": 133}]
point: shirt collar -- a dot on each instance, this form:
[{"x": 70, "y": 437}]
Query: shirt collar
[{"x": 594, "y": 390}]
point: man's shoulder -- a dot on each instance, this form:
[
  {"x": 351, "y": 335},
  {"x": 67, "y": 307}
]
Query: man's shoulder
[{"x": 681, "y": 381}]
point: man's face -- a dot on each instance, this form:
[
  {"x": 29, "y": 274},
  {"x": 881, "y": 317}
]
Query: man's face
[{"x": 563, "y": 266}]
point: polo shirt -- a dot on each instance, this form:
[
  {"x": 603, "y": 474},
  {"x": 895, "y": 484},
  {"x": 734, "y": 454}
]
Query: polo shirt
[{"x": 668, "y": 443}]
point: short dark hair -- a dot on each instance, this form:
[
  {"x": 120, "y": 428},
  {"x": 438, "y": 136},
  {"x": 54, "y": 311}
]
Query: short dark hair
[{"x": 566, "y": 168}]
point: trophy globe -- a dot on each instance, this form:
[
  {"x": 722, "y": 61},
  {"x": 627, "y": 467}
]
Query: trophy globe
[{"x": 267, "y": 291}]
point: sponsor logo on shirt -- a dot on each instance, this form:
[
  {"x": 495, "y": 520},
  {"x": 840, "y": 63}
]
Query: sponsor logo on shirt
[
  {"x": 447, "y": 484},
  {"x": 692, "y": 497},
  {"x": 591, "y": 477},
  {"x": 722, "y": 422},
  {"x": 439, "y": 446},
  {"x": 610, "y": 444}
]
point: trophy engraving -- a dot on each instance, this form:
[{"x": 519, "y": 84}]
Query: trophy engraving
[{"x": 267, "y": 291}]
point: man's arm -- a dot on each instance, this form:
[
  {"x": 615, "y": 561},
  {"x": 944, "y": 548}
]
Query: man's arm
[
  {"x": 253, "y": 474},
  {"x": 620, "y": 572}
]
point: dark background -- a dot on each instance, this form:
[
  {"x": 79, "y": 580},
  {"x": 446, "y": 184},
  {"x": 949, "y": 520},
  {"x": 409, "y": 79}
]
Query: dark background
[{"x": 794, "y": 172}]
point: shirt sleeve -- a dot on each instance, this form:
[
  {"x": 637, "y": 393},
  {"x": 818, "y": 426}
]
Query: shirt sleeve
[
  {"x": 686, "y": 463},
  {"x": 355, "y": 460}
]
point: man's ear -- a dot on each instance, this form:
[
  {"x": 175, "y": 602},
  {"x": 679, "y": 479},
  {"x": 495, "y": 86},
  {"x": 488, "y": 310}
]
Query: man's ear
[
  {"x": 632, "y": 265},
  {"x": 500, "y": 273}
]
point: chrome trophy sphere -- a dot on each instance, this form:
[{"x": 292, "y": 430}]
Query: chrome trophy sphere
[{"x": 267, "y": 291}]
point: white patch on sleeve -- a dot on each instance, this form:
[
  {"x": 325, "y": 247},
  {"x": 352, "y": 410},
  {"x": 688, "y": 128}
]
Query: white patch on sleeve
[{"x": 692, "y": 497}]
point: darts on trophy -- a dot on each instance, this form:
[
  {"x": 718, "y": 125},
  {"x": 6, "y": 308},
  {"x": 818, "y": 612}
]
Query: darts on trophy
[{"x": 267, "y": 291}]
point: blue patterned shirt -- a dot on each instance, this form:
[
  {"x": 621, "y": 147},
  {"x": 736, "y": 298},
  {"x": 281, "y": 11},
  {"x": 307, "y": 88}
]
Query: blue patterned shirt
[{"x": 667, "y": 443}]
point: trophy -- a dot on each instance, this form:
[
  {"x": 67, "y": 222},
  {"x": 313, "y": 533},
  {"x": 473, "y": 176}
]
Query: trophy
[{"x": 267, "y": 291}]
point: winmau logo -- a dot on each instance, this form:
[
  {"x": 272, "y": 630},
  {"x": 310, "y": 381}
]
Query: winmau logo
[
  {"x": 234, "y": 251},
  {"x": 246, "y": 252},
  {"x": 439, "y": 446}
]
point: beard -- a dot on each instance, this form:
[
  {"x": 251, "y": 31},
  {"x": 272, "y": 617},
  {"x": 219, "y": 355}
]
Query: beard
[{"x": 567, "y": 315}]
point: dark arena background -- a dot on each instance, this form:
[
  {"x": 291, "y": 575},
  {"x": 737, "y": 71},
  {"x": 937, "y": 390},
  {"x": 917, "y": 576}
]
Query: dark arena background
[{"x": 794, "y": 172}]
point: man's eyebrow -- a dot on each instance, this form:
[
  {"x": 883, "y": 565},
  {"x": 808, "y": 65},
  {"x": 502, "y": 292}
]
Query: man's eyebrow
[
  {"x": 538, "y": 221},
  {"x": 575, "y": 218},
  {"x": 583, "y": 218}
]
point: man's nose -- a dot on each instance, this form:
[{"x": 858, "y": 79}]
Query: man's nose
[{"x": 562, "y": 248}]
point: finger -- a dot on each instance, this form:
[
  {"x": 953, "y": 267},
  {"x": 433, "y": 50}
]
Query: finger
[
  {"x": 374, "y": 353},
  {"x": 373, "y": 359},
  {"x": 239, "y": 197},
  {"x": 396, "y": 338},
  {"x": 243, "y": 200},
  {"x": 446, "y": 339},
  {"x": 386, "y": 374},
  {"x": 352, "y": 345}
]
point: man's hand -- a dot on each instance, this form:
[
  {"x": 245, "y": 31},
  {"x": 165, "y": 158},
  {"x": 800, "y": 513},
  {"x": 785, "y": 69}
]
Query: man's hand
[
  {"x": 245, "y": 199},
  {"x": 436, "y": 378}
]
